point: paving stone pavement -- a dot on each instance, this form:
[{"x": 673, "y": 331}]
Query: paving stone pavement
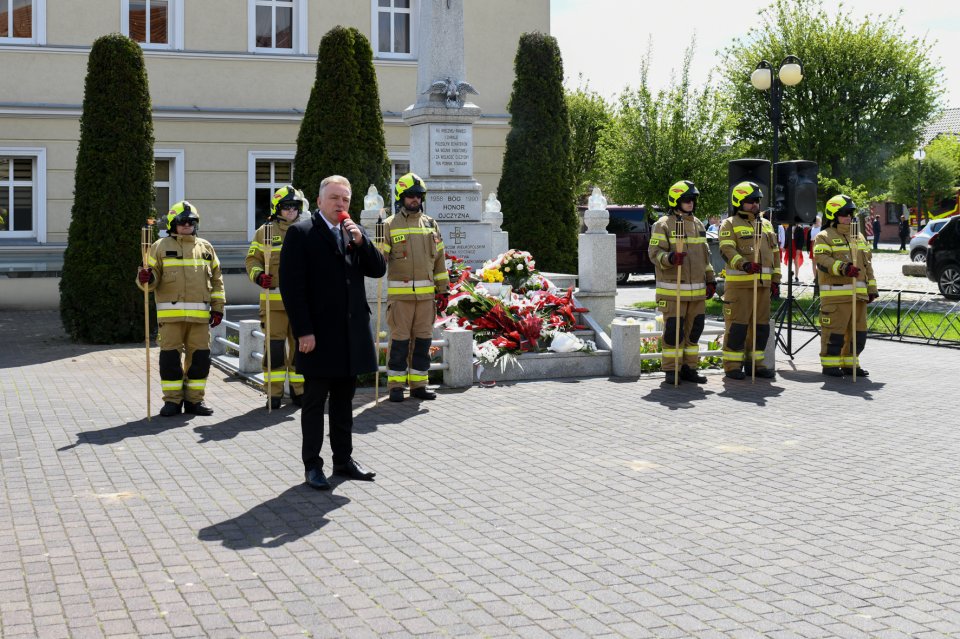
[{"x": 801, "y": 507}]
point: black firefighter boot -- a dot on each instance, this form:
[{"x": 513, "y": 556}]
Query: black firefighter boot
[
  {"x": 170, "y": 409},
  {"x": 688, "y": 374},
  {"x": 422, "y": 392},
  {"x": 396, "y": 394},
  {"x": 198, "y": 408}
]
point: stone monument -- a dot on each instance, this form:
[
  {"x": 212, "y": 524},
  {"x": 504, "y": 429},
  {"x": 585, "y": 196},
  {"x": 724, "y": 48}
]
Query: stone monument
[{"x": 441, "y": 134}]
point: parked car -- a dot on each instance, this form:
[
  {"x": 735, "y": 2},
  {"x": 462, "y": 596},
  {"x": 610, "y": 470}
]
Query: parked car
[
  {"x": 631, "y": 225},
  {"x": 943, "y": 259},
  {"x": 918, "y": 243}
]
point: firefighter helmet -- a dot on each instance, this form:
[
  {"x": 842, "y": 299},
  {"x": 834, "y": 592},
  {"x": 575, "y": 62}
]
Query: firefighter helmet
[
  {"x": 180, "y": 213},
  {"x": 745, "y": 192},
  {"x": 284, "y": 197},
  {"x": 839, "y": 205},
  {"x": 409, "y": 184},
  {"x": 682, "y": 190}
]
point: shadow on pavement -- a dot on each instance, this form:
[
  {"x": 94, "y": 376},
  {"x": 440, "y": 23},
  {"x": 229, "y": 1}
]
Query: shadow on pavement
[
  {"x": 293, "y": 514},
  {"x": 676, "y": 397},
  {"x": 254, "y": 420},
  {"x": 757, "y": 393}
]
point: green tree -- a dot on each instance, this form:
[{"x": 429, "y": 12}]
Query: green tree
[
  {"x": 112, "y": 198},
  {"x": 342, "y": 128},
  {"x": 590, "y": 117},
  {"x": 827, "y": 187},
  {"x": 536, "y": 185},
  {"x": 948, "y": 148},
  {"x": 679, "y": 133},
  {"x": 937, "y": 180},
  {"x": 867, "y": 89}
]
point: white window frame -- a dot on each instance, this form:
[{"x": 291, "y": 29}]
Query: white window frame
[
  {"x": 39, "y": 184},
  {"x": 177, "y": 177},
  {"x": 174, "y": 26},
  {"x": 39, "y": 18},
  {"x": 375, "y": 11},
  {"x": 394, "y": 159},
  {"x": 299, "y": 27},
  {"x": 252, "y": 158}
]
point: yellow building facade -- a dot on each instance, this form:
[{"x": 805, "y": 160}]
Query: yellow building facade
[{"x": 225, "y": 134}]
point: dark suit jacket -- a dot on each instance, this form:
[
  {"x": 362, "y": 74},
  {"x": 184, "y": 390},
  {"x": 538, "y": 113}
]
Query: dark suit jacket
[{"x": 323, "y": 293}]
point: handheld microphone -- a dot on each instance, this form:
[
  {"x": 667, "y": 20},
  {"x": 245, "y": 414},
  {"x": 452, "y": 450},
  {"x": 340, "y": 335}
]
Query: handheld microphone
[{"x": 341, "y": 219}]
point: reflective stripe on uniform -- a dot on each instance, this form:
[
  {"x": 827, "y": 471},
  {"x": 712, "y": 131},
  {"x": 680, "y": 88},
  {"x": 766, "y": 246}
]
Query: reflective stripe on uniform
[
  {"x": 732, "y": 356},
  {"x": 693, "y": 349},
  {"x": 167, "y": 310},
  {"x": 274, "y": 297},
  {"x": 195, "y": 384},
  {"x": 830, "y": 360},
  {"x": 414, "y": 230},
  {"x": 171, "y": 384},
  {"x": 395, "y": 287},
  {"x": 177, "y": 261}
]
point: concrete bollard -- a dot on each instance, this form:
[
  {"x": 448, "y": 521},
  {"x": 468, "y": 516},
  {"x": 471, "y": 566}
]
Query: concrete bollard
[
  {"x": 216, "y": 348},
  {"x": 248, "y": 344},
  {"x": 458, "y": 355},
  {"x": 625, "y": 339}
]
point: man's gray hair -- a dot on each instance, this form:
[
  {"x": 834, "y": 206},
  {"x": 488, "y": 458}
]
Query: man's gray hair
[{"x": 335, "y": 179}]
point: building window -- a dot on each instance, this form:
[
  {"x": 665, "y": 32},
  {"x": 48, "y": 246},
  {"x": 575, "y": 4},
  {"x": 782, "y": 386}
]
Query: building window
[
  {"x": 398, "y": 168},
  {"x": 168, "y": 180},
  {"x": 278, "y": 26},
  {"x": 155, "y": 24},
  {"x": 22, "y": 193},
  {"x": 268, "y": 172},
  {"x": 23, "y": 21},
  {"x": 394, "y": 28}
]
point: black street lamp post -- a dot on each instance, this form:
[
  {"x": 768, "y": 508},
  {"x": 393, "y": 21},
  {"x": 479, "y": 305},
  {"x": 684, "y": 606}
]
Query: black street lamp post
[{"x": 918, "y": 155}]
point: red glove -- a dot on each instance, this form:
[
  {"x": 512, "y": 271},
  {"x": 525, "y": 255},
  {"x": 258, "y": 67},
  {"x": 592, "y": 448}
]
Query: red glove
[
  {"x": 751, "y": 268},
  {"x": 850, "y": 270},
  {"x": 775, "y": 290},
  {"x": 215, "y": 318},
  {"x": 441, "y": 299},
  {"x": 711, "y": 290},
  {"x": 145, "y": 275},
  {"x": 264, "y": 280},
  {"x": 871, "y": 297},
  {"x": 676, "y": 258}
]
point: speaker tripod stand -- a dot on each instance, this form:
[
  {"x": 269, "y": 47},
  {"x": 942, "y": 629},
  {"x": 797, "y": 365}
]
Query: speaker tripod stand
[{"x": 784, "y": 315}]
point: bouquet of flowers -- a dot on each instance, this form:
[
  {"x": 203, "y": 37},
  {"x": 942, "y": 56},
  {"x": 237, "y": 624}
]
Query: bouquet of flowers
[{"x": 529, "y": 319}]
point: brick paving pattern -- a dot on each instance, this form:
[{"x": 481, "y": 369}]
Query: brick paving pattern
[{"x": 591, "y": 508}]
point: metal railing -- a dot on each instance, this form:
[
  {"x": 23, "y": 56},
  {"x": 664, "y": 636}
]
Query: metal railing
[{"x": 920, "y": 317}]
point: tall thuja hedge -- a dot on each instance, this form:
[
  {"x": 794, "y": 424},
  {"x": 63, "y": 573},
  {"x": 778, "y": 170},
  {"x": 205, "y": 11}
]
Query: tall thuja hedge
[
  {"x": 342, "y": 128},
  {"x": 537, "y": 182},
  {"x": 371, "y": 141},
  {"x": 112, "y": 198}
]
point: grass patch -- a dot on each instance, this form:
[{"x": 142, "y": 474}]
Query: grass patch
[{"x": 925, "y": 324}]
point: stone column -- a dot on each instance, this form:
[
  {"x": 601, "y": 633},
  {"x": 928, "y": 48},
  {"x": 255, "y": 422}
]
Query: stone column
[
  {"x": 368, "y": 219},
  {"x": 597, "y": 268}
]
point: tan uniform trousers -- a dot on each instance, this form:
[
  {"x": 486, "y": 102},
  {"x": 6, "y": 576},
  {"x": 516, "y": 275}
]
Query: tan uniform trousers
[
  {"x": 411, "y": 329},
  {"x": 283, "y": 347},
  {"x": 688, "y": 350},
  {"x": 835, "y": 333},
  {"x": 187, "y": 338},
  {"x": 739, "y": 324}
]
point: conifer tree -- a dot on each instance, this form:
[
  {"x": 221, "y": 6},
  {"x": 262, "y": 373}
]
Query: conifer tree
[
  {"x": 537, "y": 182},
  {"x": 342, "y": 128},
  {"x": 113, "y": 197}
]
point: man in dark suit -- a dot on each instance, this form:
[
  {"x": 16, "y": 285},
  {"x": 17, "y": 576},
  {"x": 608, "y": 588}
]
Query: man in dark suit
[{"x": 322, "y": 266}]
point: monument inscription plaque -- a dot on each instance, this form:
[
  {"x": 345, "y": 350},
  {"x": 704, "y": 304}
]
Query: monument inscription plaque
[
  {"x": 471, "y": 242},
  {"x": 454, "y": 206},
  {"x": 451, "y": 149}
]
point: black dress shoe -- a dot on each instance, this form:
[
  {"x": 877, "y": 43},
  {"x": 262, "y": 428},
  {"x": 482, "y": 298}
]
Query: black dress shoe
[
  {"x": 422, "y": 392},
  {"x": 737, "y": 374},
  {"x": 353, "y": 470},
  {"x": 860, "y": 372},
  {"x": 832, "y": 371},
  {"x": 296, "y": 398},
  {"x": 316, "y": 479},
  {"x": 688, "y": 374},
  {"x": 396, "y": 394},
  {"x": 274, "y": 402},
  {"x": 197, "y": 409},
  {"x": 170, "y": 409}
]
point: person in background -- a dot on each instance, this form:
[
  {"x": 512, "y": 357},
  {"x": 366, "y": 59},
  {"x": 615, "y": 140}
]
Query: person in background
[
  {"x": 876, "y": 232},
  {"x": 814, "y": 231},
  {"x": 903, "y": 230}
]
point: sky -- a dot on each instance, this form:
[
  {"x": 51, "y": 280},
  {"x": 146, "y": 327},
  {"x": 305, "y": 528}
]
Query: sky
[{"x": 604, "y": 40}]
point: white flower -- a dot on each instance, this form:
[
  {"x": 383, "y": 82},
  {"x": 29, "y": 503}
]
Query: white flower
[
  {"x": 506, "y": 269},
  {"x": 519, "y": 267}
]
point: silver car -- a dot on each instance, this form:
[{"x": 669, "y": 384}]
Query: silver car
[{"x": 918, "y": 243}]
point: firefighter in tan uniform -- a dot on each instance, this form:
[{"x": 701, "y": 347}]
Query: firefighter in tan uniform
[
  {"x": 286, "y": 205},
  {"x": 843, "y": 273},
  {"x": 184, "y": 275},
  {"x": 750, "y": 258},
  {"x": 417, "y": 282},
  {"x": 698, "y": 280}
]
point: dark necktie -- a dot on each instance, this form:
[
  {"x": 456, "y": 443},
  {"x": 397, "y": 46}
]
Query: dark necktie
[{"x": 338, "y": 238}]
